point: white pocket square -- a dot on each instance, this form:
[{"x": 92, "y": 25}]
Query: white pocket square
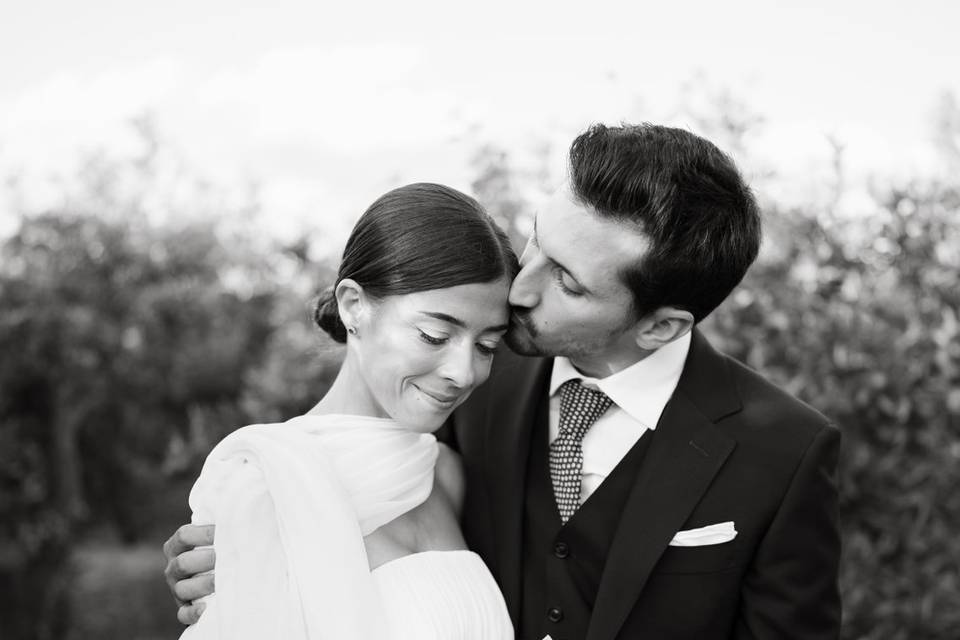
[{"x": 713, "y": 534}]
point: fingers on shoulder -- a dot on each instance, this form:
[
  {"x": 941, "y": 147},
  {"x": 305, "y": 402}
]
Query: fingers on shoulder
[
  {"x": 191, "y": 563},
  {"x": 194, "y": 588},
  {"x": 190, "y": 613},
  {"x": 187, "y": 537}
]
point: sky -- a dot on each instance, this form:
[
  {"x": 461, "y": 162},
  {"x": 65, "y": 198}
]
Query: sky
[{"x": 325, "y": 107}]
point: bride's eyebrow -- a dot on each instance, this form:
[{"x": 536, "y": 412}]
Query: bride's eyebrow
[{"x": 460, "y": 323}]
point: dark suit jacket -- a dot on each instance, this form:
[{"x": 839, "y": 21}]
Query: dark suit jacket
[{"x": 729, "y": 446}]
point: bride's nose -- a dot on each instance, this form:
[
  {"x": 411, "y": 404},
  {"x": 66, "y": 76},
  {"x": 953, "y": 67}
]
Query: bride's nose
[{"x": 459, "y": 366}]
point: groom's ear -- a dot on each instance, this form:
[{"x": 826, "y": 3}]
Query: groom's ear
[
  {"x": 351, "y": 302},
  {"x": 662, "y": 327}
]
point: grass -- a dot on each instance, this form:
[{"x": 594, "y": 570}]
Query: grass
[{"x": 118, "y": 593}]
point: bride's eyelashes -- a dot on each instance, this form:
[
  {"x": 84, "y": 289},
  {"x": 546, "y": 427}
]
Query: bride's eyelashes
[
  {"x": 429, "y": 339},
  {"x": 485, "y": 349}
]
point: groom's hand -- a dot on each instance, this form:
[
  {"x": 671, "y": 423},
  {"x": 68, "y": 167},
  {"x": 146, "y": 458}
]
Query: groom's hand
[{"x": 184, "y": 563}]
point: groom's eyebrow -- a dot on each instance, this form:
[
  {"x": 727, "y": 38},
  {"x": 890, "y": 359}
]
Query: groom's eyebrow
[{"x": 460, "y": 323}]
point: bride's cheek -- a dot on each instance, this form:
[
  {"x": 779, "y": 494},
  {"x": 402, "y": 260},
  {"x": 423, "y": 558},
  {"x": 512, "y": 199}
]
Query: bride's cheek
[{"x": 483, "y": 375}]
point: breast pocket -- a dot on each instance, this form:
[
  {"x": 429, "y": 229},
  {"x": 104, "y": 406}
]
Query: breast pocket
[{"x": 704, "y": 559}]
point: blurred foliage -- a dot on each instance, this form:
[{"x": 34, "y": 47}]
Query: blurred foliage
[
  {"x": 131, "y": 346},
  {"x": 496, "y": 186},
  {"x": 859, "y": 318},
  {"x": 857, "y": 312}
]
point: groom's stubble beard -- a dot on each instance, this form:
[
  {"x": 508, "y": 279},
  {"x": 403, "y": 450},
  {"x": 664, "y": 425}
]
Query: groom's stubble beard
[{"x": 526, "y": 338}]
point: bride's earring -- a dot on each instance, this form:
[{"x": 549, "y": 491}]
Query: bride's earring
[{"x": 352, "y": 330}]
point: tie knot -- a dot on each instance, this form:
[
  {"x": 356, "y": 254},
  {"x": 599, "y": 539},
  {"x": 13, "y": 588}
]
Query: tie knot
[{"x": 580, "y": 406}]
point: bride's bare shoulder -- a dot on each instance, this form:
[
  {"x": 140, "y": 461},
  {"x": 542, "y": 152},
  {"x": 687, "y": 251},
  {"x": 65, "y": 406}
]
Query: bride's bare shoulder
[{"x": 449, "y": 476}]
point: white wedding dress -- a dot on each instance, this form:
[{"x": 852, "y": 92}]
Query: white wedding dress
[
  {"x": 442, "y": 594},
  {"x": 292, "y": 503}
]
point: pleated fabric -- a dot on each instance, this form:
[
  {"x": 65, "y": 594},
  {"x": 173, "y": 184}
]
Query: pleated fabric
[{"x": 442, "y": 595}]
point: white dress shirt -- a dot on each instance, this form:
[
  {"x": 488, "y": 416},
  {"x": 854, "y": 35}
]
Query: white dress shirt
[{"x": 639, "y": 393}]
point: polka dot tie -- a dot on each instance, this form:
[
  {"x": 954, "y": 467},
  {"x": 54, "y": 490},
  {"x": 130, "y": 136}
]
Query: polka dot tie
[{"x": 579, "y": 409}]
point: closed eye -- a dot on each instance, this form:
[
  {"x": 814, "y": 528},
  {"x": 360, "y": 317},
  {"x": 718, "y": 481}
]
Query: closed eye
[
  {"x": 560, "y": 276},
  {"x": 429, "y": 339},
  {"x": 485, "y": 349},
  {"x": 560, "y": 273}
]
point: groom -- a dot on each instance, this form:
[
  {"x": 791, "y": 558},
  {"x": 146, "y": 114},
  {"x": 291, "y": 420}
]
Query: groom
[{"x": 629, "y": 481}]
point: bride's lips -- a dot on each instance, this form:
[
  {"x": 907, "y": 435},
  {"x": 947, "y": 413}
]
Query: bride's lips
[{"x": 443, "y": 400}]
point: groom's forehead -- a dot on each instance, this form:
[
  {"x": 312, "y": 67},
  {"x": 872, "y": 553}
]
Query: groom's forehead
[
  {"x": 574, "y": 231},
  {"x": 564, "y": 216}
]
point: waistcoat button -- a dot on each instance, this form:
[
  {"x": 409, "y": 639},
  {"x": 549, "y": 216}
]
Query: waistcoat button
[
  {"x": 561, "y": 550},
  {"x": 554, "y": 614}
]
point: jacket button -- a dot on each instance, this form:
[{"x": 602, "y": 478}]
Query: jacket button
[
  {"x": 554, "y": 614},
  {"x": 561, "y": 550}
]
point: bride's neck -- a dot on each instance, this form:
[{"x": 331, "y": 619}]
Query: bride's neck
[{"x": 349, "y": 394}]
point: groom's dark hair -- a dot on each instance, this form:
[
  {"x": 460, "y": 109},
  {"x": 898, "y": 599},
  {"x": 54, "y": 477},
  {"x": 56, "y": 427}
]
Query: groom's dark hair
[
  {"x": 419, "y": 237},
  {"x": 686, "y": 196}
]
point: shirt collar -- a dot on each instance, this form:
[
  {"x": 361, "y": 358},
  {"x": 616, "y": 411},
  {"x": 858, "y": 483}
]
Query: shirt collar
[{"x": 643, "y": 389}]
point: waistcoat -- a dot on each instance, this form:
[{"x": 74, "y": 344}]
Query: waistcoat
[{"x": 563, "y": 563}]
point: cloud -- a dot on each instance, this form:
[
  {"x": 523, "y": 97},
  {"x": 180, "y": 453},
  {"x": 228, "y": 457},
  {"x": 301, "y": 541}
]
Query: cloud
[{"x": 51, "y": 120}]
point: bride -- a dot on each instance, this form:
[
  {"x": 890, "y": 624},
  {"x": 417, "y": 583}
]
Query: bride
[{"x": 343, "y": 523}]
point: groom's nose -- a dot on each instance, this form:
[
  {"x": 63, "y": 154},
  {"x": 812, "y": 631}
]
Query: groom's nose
[{"x": 526, "y": 287}]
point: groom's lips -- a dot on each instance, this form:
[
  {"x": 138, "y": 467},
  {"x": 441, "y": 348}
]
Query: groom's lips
[{"x": 521, "y": 321}]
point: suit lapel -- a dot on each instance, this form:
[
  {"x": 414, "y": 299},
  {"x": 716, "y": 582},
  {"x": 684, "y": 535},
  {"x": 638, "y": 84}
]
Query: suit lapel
[
  {"x": 686, "y": 451},
  {"x": 515, "y": 393}
]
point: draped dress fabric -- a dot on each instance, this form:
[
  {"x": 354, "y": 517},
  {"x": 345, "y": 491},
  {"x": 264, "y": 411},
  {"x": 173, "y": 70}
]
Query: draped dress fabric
[{"x": 292, "y": 503}]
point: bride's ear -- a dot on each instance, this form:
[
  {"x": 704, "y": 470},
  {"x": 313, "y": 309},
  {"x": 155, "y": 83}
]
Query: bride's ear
[{"x": 351, "y": 303}]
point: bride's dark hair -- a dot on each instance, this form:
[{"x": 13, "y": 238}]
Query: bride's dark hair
[{"x": 419, "y": 237}]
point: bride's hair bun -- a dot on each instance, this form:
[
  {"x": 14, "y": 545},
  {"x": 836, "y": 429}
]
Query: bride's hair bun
[{"x": 327, "y": 316}]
